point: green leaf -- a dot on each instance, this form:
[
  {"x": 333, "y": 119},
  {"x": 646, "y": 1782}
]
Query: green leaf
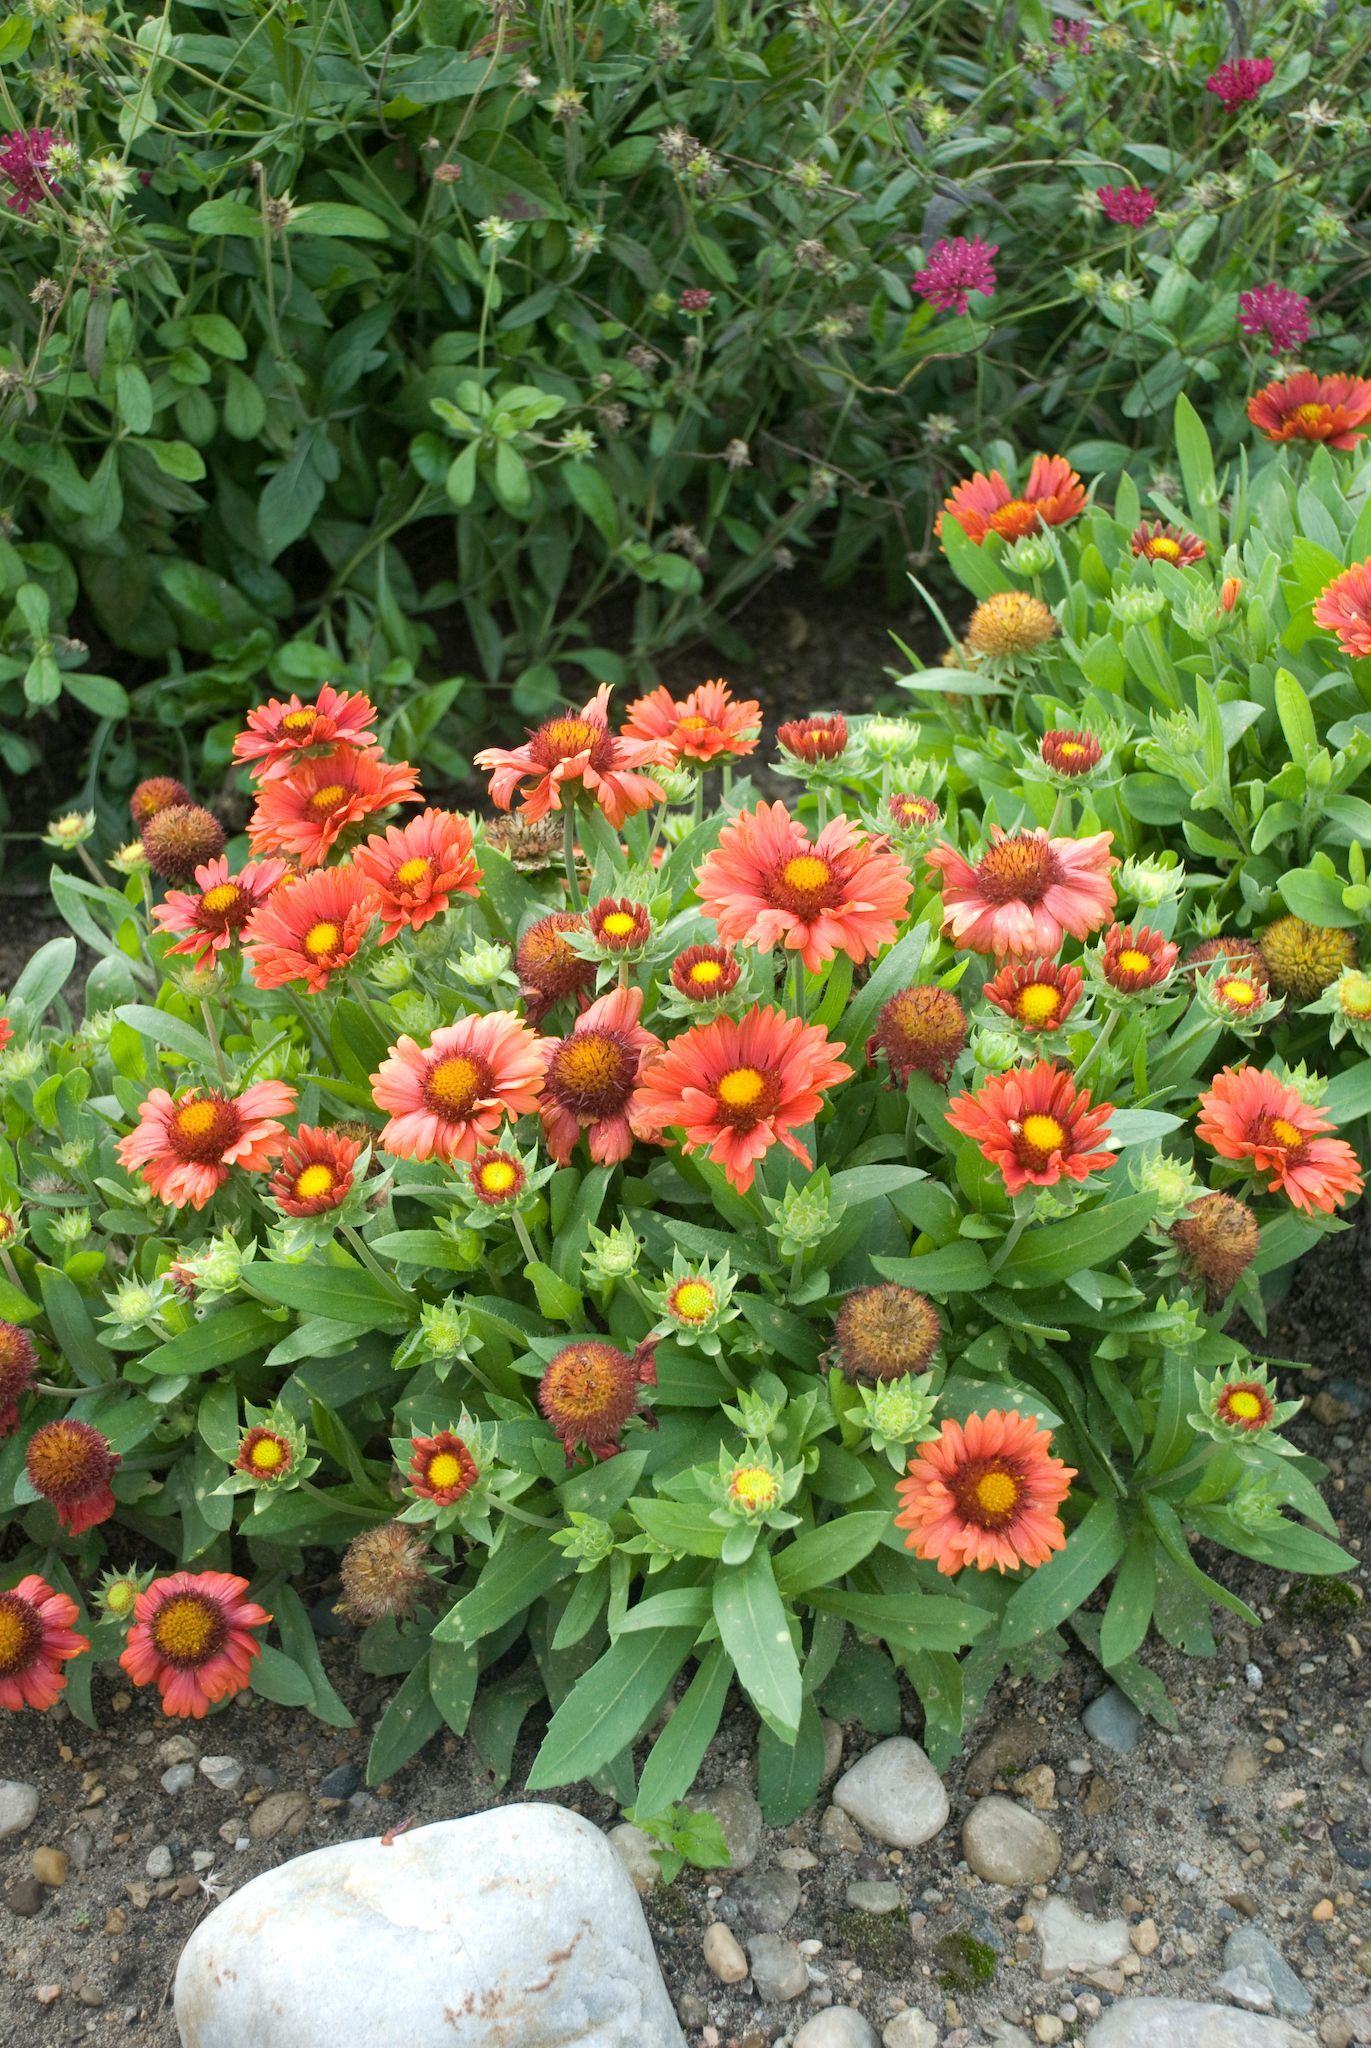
[
  {"x": 911, "y": 1621},
  {"x": 595, "y": 499},
  {"x": 44, "y": 977},
  {"x": 218, "y": 335},
  {"x": 789, "y": 1773},
  {"x": 1317, "y": 898},
  {"x": 957, "y": 1268},
  {"x": 453, "y": 1670},
  {"x": 1297, "y": 718},
  {"x": 821, "y": 1556},
  {"x": 225, "y": 217},
  {"x": 1048, "y": 1252},
  {"x": 279, "y": 1678},
  {"x": 327, "y": 217},
  {"x": 679, "y": 1750},
  {"x": 1051, "y": 1594},
  {"x": 679, "y": 1607},
  {"x": 345, "y": 1294},
  {"x": 754, "y": 1630},
  {"x": 1129, "y": 1613},
  {"x": 297, "y": 1636},
  {"x": 159, "y": 1027},
  {"x": 1197, "y": 467},
  {"x": 609, "y": 1706},
  {"x": 229, "y": 1334},
  {"x": 863, "y": 1687},
  {"x": 176, "y": 458},
  {"x": 408, "y": 1722},
  {"x": 513, "y": 1576}
]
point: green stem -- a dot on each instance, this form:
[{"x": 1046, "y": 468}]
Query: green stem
[
  {"x": 799, "y": 984},
  {"x": 373, "y": 1016},
  {"x": 311, "y": 1028},
  {"x": 373, "y": 1264},
  {"x": 569, "y": 857},
  {"x": 521, "y": 1232},
  {"x": 1100, "y": 1043},
  {"x": 212, "y": 1034},
  {"x": 1057, "y": 812}
]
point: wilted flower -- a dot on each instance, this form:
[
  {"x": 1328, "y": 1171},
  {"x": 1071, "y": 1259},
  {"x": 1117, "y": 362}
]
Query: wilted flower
[
  {"x": 180, "y": 839},
  {"x": 1216, "y": 1240},
  {"x": 589, "y": 1391},
  {"x": 71, "y": 1465},
  {"x": 1302, "y": 959},
  {"x": 921, "y": 1029},
  {"x": 383, "y": 1572},
  {"x": 884, "y": 1333},
  {"x": 1010, "y": 622}
]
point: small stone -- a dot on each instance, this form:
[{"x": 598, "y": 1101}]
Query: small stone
[
  {"x": 1350, "y": 1840},
  {"x": 1048, "y": 2027},
  {"x": 178, "y": 1779},
  {"x": 50, "y": 1867},
  {"x": 25, "y": 1897},
  {"x": 1240, "y": 1767},
  {"x": 1113, "y": 1721},
  {"x": 116, "y": 1921},
  {"x": 636, "y": 1851},
  {"x": 159, "y": 1863},
  {"x": 18, "y": 1807},
  {"x": 177, "y": 1749},
  {"x": 1038, "y": 1786},
  {"x": 90, "y": 1994},
  {"x": 723, "y": 1954},
  {"x": 1252, "y": 1677},
  {"x": 1323, "y": 1911},
  {"x": 895, "y": 1794},
  {"x": 833, "y": 1749},
  {"x": 840, "y": 2027},
  {"x": 1008, "y": 1748},
  {"x": 874, "y": 1897},
  {"x": 340, "y": 1783},
  {"x": 1182, "y": 2023},
  {"x": 47, "y": 1994},
  {"x": 1245, "y": 1990},
  {"x": 1335, "y": 2031},
  {"x": 1188, "y": 1873},
  {"x": 766, "y": 1899},
  {"x": 223, "y": 1772},
  {"x": 779, "y": 1971},
  {"x": 278, "y": 1812},
  {"x": 1248, "y": 1952},
  {"x": 1145, "y": 1938},
  {"x": 1073, "y": 1945},
  {"x": 740, "y": 1818},
  {"x": 797, "y": 1859},
  {"x": 837, "y": 1836},
  {"x": 1100, "y": 1799},
  {"x": 1006, "y": 1845},
  {"x": 910, "y": 2030}
]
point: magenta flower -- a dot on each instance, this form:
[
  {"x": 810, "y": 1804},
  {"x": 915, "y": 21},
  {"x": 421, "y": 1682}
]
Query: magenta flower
[
  {"x": 1128, "y": 206},
  {"x": 24, "y": 162},
  {"x": 955, "y": 268},
  {"x": 1241, "y": 80},
  {"x": 696, "y": 299},
  {"x": 1071, "y": 35},
  {"x": 1275, "y": 311}
]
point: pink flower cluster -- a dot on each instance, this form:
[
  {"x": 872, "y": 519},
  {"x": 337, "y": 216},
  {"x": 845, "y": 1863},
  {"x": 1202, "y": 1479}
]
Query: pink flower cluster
[
  {"x": 1128, "y": 206},
  {"x": 1274, "y": 310},
  {"x": 1071, "y": 35},
  {"x": 955, "y": 268},
  {"x": 1240, "y": 81},
  {"x": 24, "y": 161}
]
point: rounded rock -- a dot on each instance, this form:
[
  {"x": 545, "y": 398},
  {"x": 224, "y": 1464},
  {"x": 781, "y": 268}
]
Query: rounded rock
[
  {"x": 223, "y": 1772},
  {"x": 840, "y": 2027},
  {"x": 766, "y": 1899},
  {"x": 50, "y": 1867},
  {"x": 910, "y": 2030},
  {"x": 723, "y": 1954},
  {"x": 635, "y": 1851},
  {"x": 159, "y": 1863},
  {"x": 18, "y": 1807},
  {"x": 778, "y": 1969},
  {"x": 1007, "y": 1844},
  {"x": 895, "y": 1794},
  {"x": 740, "y": 1818},
  {"x": 179, "y": 1778},
  {"x": 1184, "y": 2023}
]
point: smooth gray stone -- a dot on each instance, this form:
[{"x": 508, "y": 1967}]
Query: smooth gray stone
[
  {"x": 518, "y": 1926},
  {"x": 1113, "y": 1721},
  {"x": 1006, "y": 1844},
  {"x": 1182, "y": 2023},
  {"x": 740, "y": 1817},
  {"x": 778, "y": 1969},
  {"x": 895, "y": 1794},
  {"x": 1072, "y": 1944},
  {"x": 766, "y": 1899},
  {"x": 18, "y": 1807},
  {"x": 1248, "y": 1951},
  {"x": 839, "y": 2027}
]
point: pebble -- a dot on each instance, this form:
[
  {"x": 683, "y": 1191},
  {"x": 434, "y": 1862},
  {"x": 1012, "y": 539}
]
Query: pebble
[
  {"x": 837, "y": 1836},
  {"x": 797, "y": 1859},
  {"x": 1113, "y": 1721},
  {"x": 340, "y": 1783},
  {"x": 1248, "y": 1951},
  {"x": 1073, "y": 1944},
  {"x": 740, "y": 1817},
  {"x": 1009, "y": 1748},
  {"x": 1038, "y": 1786},
  {"x": 910, "y": 2030},
  {"x": 224, "y": 1772},
  {"x": 872, "y": 1897},
  {"x": 833, "y": 1749},
  {"x": 178, "y": 1779},
  {"x": 50, "y": 1867},
  {"x": 1005, "y": 1844},
  {"x": 840, "y": 2027},
  {"x": 1145, "y": 1938},
  {"x": 25, "y": 1897},
  {"x": 1182, "y": 2023},
  {"x": 1240, "y": 1767},
  {"x": 47, "y": 1994},
  {"x": 766, "y": 1899},
  {"x": 1349, "y": 1839},
  {"x": 18, "y": 1807},
  {"x": 895, "y": 1794},
  {"x": 1366, "y": 1756},
  {"x": 1252, "y": 1674},
  {"x": 723, "y": 1954},
  {"x": 1245, "y": 1990},
  {"x": 159, "y": 1863},
  {"x": 1048, "y": 2027},
  {"x": 778, "y": 1969},
  {"x": 176, "y": 1749},
  {"x": 278, "y": 1812},
  {"x": 635, "y": 1851}
]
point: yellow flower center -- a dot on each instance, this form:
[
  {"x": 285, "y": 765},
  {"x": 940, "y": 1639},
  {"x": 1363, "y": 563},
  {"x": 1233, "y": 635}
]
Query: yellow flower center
[
  {"x": 1038, "y": 1002},
  {"x": 1043, "y": 1133},
  {"x": 1286, "y": 1133},
  {"x": 1168, "y": 549},
  {"x": 996, "y": 1492},
  {"x": 321, "y": 939},
  {"x": 1354, "y": 996},
  {"x": 16, "y": 1637},
  {"x": 324, "y": 799},
  {"x": 1240, "y": 992},
  {"x": 184, "y": 1629},
  {"x": 754, "y": 1487},
  {"x": 1069, "y": 750},
  {"x": 413, "y": 871},
  {"x": 298, "y": 721},
  {"x": 197, "y": 1118},
  {"x": 444, "y": 1470},
  {"x": 805, "y": 873},
  {"x": 315, "y": 1180},
  {"x": 454, "y": 1085},
  {"x": 498, "y": 1177},
  {"x": 1310, "y": 416},
  {"x": 1134, "y": 962},
  {"x": 693, "y": 1301},
  {"x": 590, "y": 1061},
  {"x": 618, "y": 924},
  {"x": 1244, "y": 1405},
  {"x": 571, "y": 735},
  {"x": 266, "y": 1454},
  {"x": 741, "y": 1087},
  {"x": 706, "y": 971},
  {"x": 221, "y": 898}
]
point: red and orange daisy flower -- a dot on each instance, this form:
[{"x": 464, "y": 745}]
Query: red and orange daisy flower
[
  {"x": 416, "y": 869},
  {"x": 186, "y": 1147},
  {"x": 819, "y": 738},
  {"x": 1246, "y": 1405},
  {"x": 591, "y": 1388},
  {"x": 592, "y": 1079},
  {"x": 1343, "y": 607},
  {"x": 767, "y": 883},
  {"x": 705, "y": 973},
  {"x": 619, "y": 925},
  {"x": 709, "y": 723},
  {"x": 1155, "y": 541},
  {"x": 920, "y": 1030},
  {"x": 36, "y": 1640},
  {"x": 265, "y": 1455},
  {"x": 985, "y": 1493},
  {"x": 738, "y": 1086},
  {"x": 1304, "y": 407},
  {"x": 550, "y": 970},
  {"x": 1038, "y": 995},
  {"x": 1250, "y": 1115},
  {"x": 441, "y": 1468},
  {"x": 1026, "y": 892},
  {"x": 192, "y": 1637},
  {"x": 71, "y": 1465},
  {"x": 277, "y": 735},
  {"x": 311, "y": 928},
  {"x": 984, "y": 504},
  {"x": 304, "y": 813},
  {"x": 1070, "y": 753},
  {"x": 1136, "y": 957},
  {"x": 577, "y": 755},
  {"x": 18, "y": 1367},
  {"x": 498, "y": 1179},
  {"x": 1035, "y": 1125},
  {"x": 448, "y": 1101},
  {"x": 315, "y": 1173},
  {"x": 211, "y": 917}
]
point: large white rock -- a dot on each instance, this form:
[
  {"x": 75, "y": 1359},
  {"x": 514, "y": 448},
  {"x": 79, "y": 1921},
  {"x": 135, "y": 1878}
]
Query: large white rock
[
  {"x": 1181, "y": 2023},
  {"x": 516, "y": 1928},
  {"x": 895, "y": 1794}
]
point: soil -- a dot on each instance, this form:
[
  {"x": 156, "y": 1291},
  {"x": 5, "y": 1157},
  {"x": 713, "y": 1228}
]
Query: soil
[{"x": 1153, "y": 1835}]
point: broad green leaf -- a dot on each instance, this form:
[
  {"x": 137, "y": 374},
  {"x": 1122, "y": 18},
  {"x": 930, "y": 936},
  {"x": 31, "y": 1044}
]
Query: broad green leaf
[
  {"x": 1051, "y": 1594},
  {"x": 679, "y": 1750},
  {"x": 512, "y": 1577},
  {"x": 754, "y": 1630},
  {"x": 326, "y": 217},
  {"x": 1297, "y": 718},
  {"x": 279, "y": 1678},
  {"x": 453, "y": 1670},
  {"x": 1047, "y": 1252},
  {"x": 821, "y": 1556},
  {"x": 789, "y": 1773},
  {"x": 159, "y": 1027},
  {"x": 911, "y": 1621},
  {"x": 609, "y": 1706},
  {"x": 1129, "y": 1613},
  {"x": 345, "y": 1294},
  {"x": 226, "y": 1335},
  {"x": 408, "y": 1722}
]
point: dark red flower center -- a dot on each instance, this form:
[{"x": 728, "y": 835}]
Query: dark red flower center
[
  {"x": 745, "y": 1096},
  {"x": 805, "y": 884},
  {"x": 563, "y": 739},
  {"x": 225, "y": 908},
  {"x": 203, "y": 1127},
  {"x": 445, "y": 1468},
  {"x": 455, "y": 1084},
  {"x": 1019, "y": 869},
  {"x": 1279, "y": 1134},
  {"x": 1037, "y": 1139},
  {"x": 988, "y": 1492},
  {"x": 592, "y": 1072},
  {"x": 21, "y": 1634},
  {"x": 1246, "y": 1404},
  {"x": 188, "y": 1629}
]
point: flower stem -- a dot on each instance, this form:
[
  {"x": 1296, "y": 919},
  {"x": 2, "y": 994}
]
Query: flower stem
[
  {"x": 569, "y": 857},
  {"x": 373, "y": 1264},
  {"x": 521, "y": 1232},
  {"x": 1100, "y": 1043},
  {"x": 212, "y": 1034}
]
